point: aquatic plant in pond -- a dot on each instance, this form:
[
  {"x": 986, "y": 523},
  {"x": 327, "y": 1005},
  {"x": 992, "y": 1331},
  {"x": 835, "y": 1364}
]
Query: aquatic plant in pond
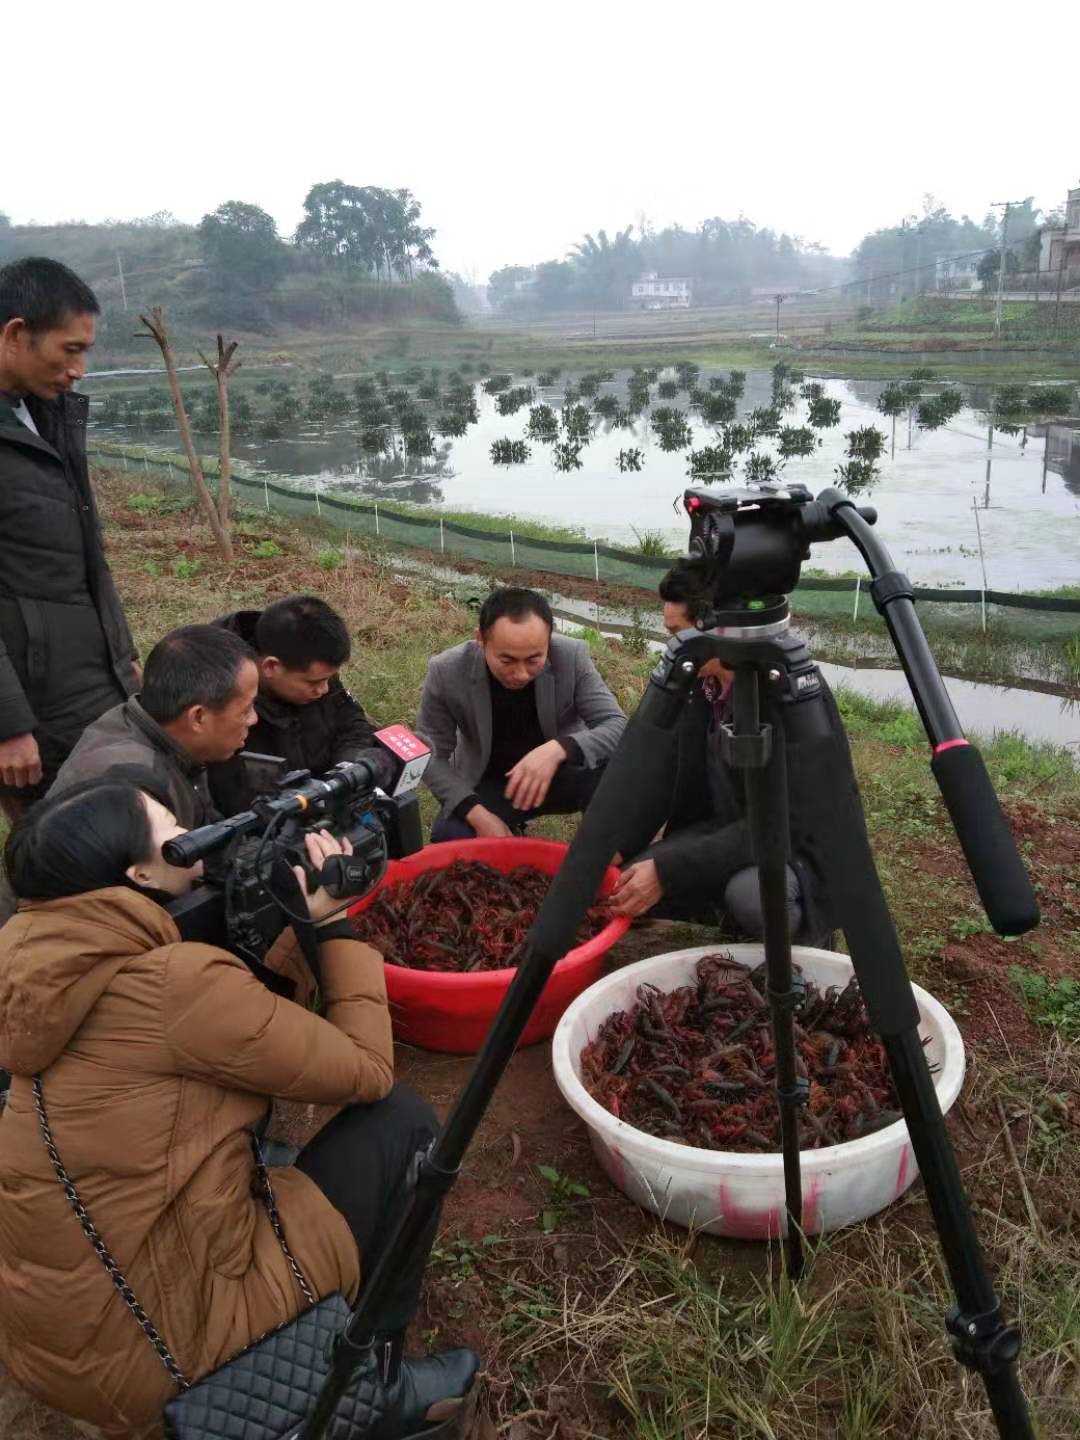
[
  {"x": 738, "y": 438},
  {"x": 765, "y": 420},
  {"x": 667, "y": 389},
  {"x": 418, "y": 443},
  {"x": 494, "y": 384},
  {"x": 824, "y": 413},
  {"x": 543, "y": 424},
  {"x": 629, "y": 460},
  {"x": 938, "y": 410},
  {"x": 511, "y": 401},
  {"x": 567, "y": 456},
  {"x": 509, "y": 452},
  {"x": 548, "y": 377},
  {"x": 761, "y": 468},
  {"x": 711, "y": 462},
  {"x": 577, "y": 422},
  {"x": 797, "y": 440},
  {"x": 866, "y": 443},
  {"x": 675, "y": 435},
  {"x": 718, "y": 408},
  {"x": 606, "y": 405}
]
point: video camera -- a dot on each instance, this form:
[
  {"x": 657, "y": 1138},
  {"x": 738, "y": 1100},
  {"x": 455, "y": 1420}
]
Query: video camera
[{"x": 249, "y": 892}]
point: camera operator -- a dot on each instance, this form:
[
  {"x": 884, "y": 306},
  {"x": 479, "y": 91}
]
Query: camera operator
[
  {"x": 158, "y": 1059},
  {"x": 303, "y": 711},
  {"x": 701, "y": 867}
]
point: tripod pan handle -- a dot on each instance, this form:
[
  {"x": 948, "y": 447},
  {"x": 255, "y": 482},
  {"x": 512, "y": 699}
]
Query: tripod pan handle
[{"x": 1000, "y": 878}]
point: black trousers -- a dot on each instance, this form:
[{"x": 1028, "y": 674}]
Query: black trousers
[
  {"x": 569, "y": 793},
  {"x": 361, "y": 1162}
]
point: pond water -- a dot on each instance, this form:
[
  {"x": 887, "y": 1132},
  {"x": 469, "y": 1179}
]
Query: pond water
[{"x": 1026, "y": 487}]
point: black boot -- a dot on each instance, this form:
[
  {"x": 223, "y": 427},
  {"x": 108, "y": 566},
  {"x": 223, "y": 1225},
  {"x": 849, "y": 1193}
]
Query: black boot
[{"x": 423, "y": 1397}]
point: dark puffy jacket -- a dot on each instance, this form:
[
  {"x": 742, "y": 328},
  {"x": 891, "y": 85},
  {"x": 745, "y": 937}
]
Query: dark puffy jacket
[
  {"x": 308, "y": 737},
  {"x": 66, "y": 654},
  {"x": 708, "y": 839}
]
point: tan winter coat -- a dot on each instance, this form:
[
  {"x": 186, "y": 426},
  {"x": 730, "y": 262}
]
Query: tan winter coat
[{"x": 157, "y": 1057}]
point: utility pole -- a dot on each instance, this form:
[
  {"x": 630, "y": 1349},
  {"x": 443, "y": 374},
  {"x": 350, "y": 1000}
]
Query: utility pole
[
  {"x": 779, "y": 301},
  {"x": 1008, "y": 204},
  {"x": 123, "y": 287}
]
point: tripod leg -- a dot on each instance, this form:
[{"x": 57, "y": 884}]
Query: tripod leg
[
  {"x": 981, "y": 1339},
  {"x": 750, "y": 747}
]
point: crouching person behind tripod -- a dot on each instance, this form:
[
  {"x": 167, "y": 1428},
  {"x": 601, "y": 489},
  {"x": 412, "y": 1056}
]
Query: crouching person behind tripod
[
  {"x": 701, "y": 868},
  {"x": 157, "y": 1059}
]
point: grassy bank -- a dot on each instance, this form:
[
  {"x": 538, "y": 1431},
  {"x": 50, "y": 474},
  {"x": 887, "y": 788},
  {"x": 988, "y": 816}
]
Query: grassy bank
[{"x": 594, "y": 1319}]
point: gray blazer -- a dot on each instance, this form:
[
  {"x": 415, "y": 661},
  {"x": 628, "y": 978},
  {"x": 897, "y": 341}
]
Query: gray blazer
[{"x": 455, "y": 713}]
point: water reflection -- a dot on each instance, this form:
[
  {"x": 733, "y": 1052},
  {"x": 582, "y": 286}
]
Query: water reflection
[{"x": 1026, "y": 484}]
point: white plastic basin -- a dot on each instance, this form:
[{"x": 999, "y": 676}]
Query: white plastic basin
[{"x": 733, "y": 1194}]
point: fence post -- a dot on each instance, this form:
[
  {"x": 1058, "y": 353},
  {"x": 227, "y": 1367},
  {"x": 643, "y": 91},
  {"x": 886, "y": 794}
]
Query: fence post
[
  {"x": 318, "y": 507},
  {"x": 124, "y": 459},
  {"x": 596, "y": 562},
  {"x": 145, "y": 463},
  {"x": 377, "y": 531},
  {"x": 442, "y": 537},
  {"x": 513, "y": 552},
  {"x": 266, "y": 492},
  {"x": 858, "y": 591},
  {"x": 982, "y": 559}
]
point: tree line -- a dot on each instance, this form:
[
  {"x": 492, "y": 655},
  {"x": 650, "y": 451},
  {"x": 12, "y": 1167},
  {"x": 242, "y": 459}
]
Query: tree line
[
  {"x": 359, "y": 252},
  {"x": 722, "y": 259}
]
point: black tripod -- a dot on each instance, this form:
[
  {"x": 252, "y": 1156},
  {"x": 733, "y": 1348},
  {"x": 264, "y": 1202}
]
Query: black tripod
[{"x": 774, "y": 674}]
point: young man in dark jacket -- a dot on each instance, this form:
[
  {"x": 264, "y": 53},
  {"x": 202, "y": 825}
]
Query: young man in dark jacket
[
  {"x": 701, "y": 868},
  {"x": 66, "y": 654},
  {"x": 304, "y": 713}
]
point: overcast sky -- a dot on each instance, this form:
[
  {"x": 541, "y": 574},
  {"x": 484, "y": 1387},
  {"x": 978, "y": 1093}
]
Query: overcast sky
[{"x": 520, "y": 127}]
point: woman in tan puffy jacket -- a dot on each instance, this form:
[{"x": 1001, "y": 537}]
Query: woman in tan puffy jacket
[{"x": 158, "y": 1059}]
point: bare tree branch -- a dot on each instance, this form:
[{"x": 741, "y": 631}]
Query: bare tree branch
[{"x": 157, "y": 330}]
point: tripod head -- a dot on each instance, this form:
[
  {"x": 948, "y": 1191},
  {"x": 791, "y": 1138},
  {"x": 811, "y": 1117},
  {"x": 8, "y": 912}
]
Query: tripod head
[{"x": 749, "y": 544}]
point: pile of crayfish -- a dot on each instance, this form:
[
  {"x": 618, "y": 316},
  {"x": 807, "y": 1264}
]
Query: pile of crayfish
[
  {"x": 467, "y": 917},
  {"x": 697, "y": 1065}
]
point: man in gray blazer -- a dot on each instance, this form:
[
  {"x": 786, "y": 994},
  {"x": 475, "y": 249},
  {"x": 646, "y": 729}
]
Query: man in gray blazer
[{"x": 519, "y": 721}]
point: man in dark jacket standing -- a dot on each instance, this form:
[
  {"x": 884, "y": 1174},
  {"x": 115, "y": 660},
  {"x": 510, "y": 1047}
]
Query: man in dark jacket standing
[
  {"x": 66, "y": 654},
  {"x": 304, "y": 713}
]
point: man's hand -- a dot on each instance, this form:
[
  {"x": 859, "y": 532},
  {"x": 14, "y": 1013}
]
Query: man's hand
[
  {"x": 637, "y": 890},
  {"x": 527, "y": 784},
  {"x": 20, "y": 762},
  {"x": 485, "y": 822}
]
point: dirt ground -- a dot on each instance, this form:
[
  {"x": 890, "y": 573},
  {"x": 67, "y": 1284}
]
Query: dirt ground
[{"x": 498, "y": 1236}]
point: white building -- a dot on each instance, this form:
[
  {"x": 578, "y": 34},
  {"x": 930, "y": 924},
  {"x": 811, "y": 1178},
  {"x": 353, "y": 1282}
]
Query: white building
[
  {"x": 651, "y": 292},
  {"x": 1060, "y": 250},
  {"x": 957, "y": 272}
]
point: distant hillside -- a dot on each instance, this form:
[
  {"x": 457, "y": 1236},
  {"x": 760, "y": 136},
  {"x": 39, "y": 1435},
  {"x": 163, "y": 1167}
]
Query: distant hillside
[{"x": 159, "y": 261}]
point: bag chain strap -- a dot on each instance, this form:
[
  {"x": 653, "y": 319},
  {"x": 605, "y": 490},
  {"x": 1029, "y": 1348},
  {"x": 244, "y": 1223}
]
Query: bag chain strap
[{"x": 116, "y": 1275}]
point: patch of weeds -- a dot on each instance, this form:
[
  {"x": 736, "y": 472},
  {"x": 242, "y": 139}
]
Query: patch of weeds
[
  {"x": 185, "y": 568},
  {"x": 330, "y": 558},
  {"x": 651, "y": 542},
  {"x": 267, "y": 550},
  {"x": 562, "y": 1191},
  {"x": 1050, "y": 1002},
  {"x": 152, "y": 568},
  {"x": 157, "y": 504}
]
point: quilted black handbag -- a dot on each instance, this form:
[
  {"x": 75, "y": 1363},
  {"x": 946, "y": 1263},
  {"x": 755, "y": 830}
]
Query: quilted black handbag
[{"x": 265, "y": 1392}]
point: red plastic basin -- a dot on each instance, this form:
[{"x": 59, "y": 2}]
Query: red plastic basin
[{"x": 453, "y": 1012}]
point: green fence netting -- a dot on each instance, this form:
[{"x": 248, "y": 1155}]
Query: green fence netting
[{"x": 840, "y": 599}]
